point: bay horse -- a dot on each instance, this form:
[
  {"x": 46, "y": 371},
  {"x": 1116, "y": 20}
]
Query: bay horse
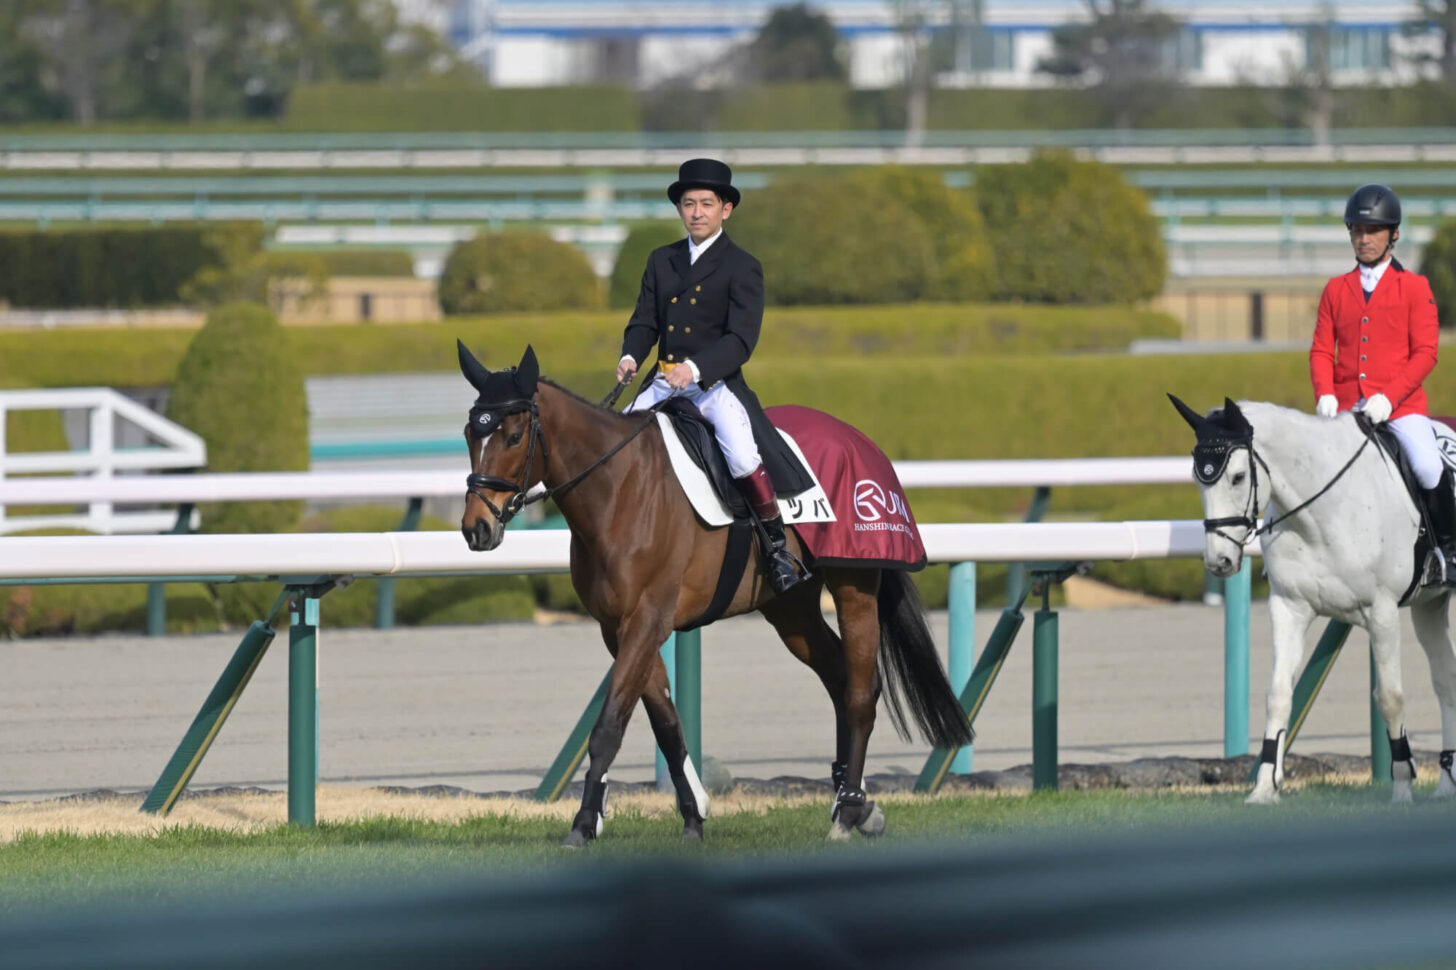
[
  {"x": 1341, "y": 534},
  {"x": 644, "y": 565}
]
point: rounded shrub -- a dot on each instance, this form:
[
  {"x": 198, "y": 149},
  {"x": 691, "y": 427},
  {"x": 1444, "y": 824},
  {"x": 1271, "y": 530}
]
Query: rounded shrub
[
  {"x": 1070, "y": 231},
  {"x": 632, "y": 260},
  {"x": 1438, "y": 264},
  {"x": 238, "y": 387},
  {"x": 829, "y": 239},
  {"x": 964, "y": 263},
  {"x": 517, "y": 272}
]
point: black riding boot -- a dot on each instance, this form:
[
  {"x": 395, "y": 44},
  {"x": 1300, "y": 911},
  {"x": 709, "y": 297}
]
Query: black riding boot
[
  {"x": 1440, "y": 505},
  {"x": 782, "y": 566}
]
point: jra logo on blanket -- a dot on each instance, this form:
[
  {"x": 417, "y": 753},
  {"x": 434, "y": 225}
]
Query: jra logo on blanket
[{"x": 872, "y": 502}]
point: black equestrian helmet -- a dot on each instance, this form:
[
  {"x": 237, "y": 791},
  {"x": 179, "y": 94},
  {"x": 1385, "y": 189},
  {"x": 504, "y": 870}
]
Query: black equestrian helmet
[{"x": 1372, "y": 205}]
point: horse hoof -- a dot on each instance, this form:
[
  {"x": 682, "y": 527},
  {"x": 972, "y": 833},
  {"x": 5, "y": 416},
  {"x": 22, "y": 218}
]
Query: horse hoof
[
  {"x": 1401, "y": 794},
  {"x": 873, "y": 824},
  {"x": 693, "y": 836},
  {"x": 574, "y": 840},
  {"x": 1257, "y": 797},
  {"x": 1444, "y": 790},
  {"x": 838, "y": 832}
]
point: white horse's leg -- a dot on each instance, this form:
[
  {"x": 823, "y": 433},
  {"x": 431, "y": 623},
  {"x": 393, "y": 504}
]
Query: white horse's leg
[
  {"x": 1432, "y": 623},
  {"x": 1389, "y": 699},
  {"x": 1290, "y": 620}
]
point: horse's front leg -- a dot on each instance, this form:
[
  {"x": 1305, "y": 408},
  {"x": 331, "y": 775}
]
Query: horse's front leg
[
  {"x": 1290, "y": 620},
  {"x": 1389, "y": 698},
  {"x": 1432, "y": 623},
  {"x": 639, "y": 635},
  {"x": 692, "y": 798}
]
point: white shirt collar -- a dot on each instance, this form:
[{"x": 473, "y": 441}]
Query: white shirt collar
[
  {"x": 1370, "y": 275},
  {"x": 694, "y": 250}
]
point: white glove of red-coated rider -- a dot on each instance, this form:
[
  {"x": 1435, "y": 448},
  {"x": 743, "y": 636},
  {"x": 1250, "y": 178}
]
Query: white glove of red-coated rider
[
  {"x": 1377, "y": 408},
  {"x": 1327, "y": 406}
]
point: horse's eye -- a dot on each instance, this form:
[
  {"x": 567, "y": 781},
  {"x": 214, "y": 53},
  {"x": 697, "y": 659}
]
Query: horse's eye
[
  {"x": 1238, "y": 478},
  {"x": 514, "y": 440}
]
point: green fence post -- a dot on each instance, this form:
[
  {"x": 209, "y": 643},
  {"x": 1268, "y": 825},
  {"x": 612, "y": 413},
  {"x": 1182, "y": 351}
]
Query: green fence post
[
  {"x": 1237, "y": 591},
  {"x": 559, "y": 775},
  {"x": 303, "y": 705},
  {"x": 1044, "y": 698},
  {"x": 157, "y": 591},
  {"x": 1379, "y": 738},
  {"x": 689, "y": 699},
  {"x": 384, "y": 588},
  {"x": 210, "y": 719},
  {"x": 982, "y": 677},
  {"x": 961, "y": 645},
  {"x": 668, "y": 652},
  {"x": 1016, "y": 571}
]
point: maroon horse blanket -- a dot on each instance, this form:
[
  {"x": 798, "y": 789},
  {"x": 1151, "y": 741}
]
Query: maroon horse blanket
[{"x": 874, "y": 526}]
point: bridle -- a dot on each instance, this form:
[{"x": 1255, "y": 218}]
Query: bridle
[
  {"x": 1211, "y": 458},
  {"x": 484, "y": 418}
]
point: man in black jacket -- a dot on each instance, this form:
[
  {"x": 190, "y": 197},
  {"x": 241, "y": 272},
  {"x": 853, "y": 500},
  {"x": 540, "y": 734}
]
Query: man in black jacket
[{"x": 701, "y": 306}]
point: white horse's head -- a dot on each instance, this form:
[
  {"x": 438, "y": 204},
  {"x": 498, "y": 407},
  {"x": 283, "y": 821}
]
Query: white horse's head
[{"x": 1227, "y": 472}]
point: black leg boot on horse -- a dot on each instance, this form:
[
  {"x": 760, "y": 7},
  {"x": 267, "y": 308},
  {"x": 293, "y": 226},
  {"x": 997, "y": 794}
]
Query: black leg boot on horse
[
  {"x": 783, "y": 568},
  {"x": 1440, "y": 503}
]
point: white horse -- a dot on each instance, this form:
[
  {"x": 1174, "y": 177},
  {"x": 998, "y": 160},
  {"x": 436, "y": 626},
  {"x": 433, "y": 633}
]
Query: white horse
[{"x": 1340, "y": 543}]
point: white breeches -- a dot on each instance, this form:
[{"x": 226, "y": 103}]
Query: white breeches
[
  {"x": 1418, "y": 442},
  {"x": 725, "y": 413}
]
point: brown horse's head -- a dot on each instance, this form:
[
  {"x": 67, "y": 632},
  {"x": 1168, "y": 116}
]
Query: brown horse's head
[{"x": 504, "y": 440}]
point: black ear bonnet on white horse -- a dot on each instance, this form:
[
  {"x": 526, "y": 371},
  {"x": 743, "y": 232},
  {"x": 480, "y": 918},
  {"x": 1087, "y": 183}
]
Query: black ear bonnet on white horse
[{"x": 1219, "y": 435}]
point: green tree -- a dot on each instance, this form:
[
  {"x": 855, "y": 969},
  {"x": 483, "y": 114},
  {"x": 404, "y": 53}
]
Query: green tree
[
  {"x": 1070, "y": 231},
  {"x": 1438, "y": 264},
  {"x": 503, "y": 272},
  {"x": 1435, "y": 17},
  {"x": 1122, "y": 51},
  {"x": 796, "y": 43},
  {"x": 631, "y": 261}
]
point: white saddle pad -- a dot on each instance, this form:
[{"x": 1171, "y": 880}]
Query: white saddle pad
[{"x": 810, "y": 505}]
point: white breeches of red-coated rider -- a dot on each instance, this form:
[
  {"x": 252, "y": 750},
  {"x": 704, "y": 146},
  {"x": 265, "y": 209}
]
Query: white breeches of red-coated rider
[
  {"x": 722, "y": 409},
  {"x": 1418, "y": 442}
]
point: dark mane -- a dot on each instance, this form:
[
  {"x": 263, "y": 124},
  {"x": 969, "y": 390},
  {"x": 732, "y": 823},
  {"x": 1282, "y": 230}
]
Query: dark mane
[{"x": 594, "y": 405}]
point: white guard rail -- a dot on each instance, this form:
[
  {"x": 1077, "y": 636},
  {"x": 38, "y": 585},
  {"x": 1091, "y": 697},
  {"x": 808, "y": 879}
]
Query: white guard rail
[
  {"x": 547, "y": 550},
  {"x": 277, "y": 486}
]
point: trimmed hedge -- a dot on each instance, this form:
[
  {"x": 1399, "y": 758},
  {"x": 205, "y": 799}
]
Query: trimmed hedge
[
  {"x": 367, "y": 262},
  {"x": 823, "y": 240},
  {"x": 1070, "y": 231},
  {"x": 626, "y": 282},
  {"x": 114, "y": 267},
  {"x": 240, "y": 389},
  {"x": 1438, "y": 264},
  {"x": 517, "y": 271}
]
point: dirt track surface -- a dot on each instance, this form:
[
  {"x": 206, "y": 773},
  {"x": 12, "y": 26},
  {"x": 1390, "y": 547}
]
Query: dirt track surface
[{"x": 488, "y": 708}]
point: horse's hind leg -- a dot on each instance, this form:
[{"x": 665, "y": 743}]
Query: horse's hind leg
[
  {"x": 1432, "y": 623},
  {"x": 800, "y": 624},
  {"x": 1290, "y": 620},
  {"x": 692, "y": 799},
  {"x": 1389, "y": 698},
  {"x": 856, "y": 602},
  {"x": 637, "y": 638}
]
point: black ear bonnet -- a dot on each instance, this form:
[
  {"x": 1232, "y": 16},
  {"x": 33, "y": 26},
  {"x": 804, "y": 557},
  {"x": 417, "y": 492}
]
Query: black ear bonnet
[
  {"x": 1220, "y": 434},
  {"x": 502, "y": 392}
]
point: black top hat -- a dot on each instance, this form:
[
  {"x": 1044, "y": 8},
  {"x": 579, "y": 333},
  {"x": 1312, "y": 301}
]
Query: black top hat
[{"x": 704, "y": 173}]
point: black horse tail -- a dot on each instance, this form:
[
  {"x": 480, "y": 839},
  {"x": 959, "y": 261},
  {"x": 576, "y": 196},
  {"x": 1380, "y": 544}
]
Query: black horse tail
[{"x": 910, "y": 668}]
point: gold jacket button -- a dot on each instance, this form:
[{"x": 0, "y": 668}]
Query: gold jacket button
[
  {"x": 687, "y": 329},
  {"x": 698, "y": 288},
  {"x": 693, "y": 301},
  {"x": 674, "y": 299},
  {"x": 669, "y": 328},
  {"x": 669, "y": 357}
]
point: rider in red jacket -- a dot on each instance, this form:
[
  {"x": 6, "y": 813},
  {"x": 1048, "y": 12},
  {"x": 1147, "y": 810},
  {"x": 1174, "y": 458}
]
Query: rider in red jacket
[{"x": 1374, "y": 343}]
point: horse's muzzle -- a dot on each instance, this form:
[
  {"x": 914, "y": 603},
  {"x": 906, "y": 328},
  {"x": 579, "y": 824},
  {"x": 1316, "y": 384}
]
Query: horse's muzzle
[
  {"x": 1221, "y": 564},
  {"x": 484, "y": 535}
]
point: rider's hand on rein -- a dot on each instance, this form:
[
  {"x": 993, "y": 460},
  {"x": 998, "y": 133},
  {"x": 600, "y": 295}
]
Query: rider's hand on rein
[
  {"x": 1327, "y": 406},
  {"x": 1377, "y": 408},
  {"x": 626, "y": 368}
]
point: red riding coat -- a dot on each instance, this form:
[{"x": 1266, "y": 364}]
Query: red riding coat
[{"x": 1386, "y": 346}]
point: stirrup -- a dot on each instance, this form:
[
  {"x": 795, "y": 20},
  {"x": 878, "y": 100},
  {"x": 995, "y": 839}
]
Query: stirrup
[{"x": 1439, "y": 570}]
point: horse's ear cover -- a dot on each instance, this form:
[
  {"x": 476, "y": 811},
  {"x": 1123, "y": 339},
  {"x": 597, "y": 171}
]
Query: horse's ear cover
[
  {"x": 1234, "y": 421},
  {"x": 527, "y": 372},
  {"x": 475, "y": 372},
  {"x": 1195, "y": 420}
]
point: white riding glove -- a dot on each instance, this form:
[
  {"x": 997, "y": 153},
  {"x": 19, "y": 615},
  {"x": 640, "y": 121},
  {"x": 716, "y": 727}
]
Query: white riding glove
[
  {"x": 1327, "y": 406},
  {"x": 1377, "y": 408}
]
